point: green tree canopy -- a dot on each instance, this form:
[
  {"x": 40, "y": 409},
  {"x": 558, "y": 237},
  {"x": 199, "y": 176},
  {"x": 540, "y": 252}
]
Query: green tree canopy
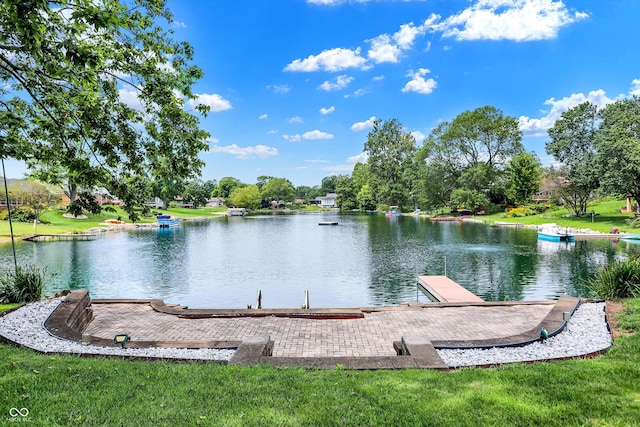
[
  {"x": 93, "y": 93},
  {"x": 391, "y": 151},
  {"x": 225, "y": 186},
  {"x": 619, "y": 148},
  {"x": 574, "y": 144},
  {"x": 245, "y": 197},
  {"x": 484, "y": 135},
  {"x": 279, "y": 189},
  {"x": 524, "y": 174}
]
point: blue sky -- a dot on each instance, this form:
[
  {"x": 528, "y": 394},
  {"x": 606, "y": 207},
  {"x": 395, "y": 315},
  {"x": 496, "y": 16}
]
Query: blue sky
[{"x": 295, "y": 84}]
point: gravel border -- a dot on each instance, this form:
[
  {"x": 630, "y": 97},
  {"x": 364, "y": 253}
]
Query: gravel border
[
  {"x": 25, "y": 326},
  {"x": 587, "y": 332}
]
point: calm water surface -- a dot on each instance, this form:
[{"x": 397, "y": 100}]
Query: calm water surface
[{"x": 365, "y": 260}]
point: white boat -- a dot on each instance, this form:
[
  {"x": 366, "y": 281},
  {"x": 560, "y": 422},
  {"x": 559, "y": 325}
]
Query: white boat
[
  {"x": 165, "y": 221},
  {"x": 555, "y": 234}
]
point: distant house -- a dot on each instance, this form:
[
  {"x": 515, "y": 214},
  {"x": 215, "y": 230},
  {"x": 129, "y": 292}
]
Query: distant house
[
  {"x": 156, "y": 203},
  {"x": 215, "y": 202},
  {"x": 330, "y": 200}
]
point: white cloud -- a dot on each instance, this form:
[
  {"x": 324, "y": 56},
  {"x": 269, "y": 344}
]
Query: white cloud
[
  {"x": 292, "y": 138},
  {"x": 377, "y": 78},
  {"x": 329, "y": 60},
  {"x": 272, "y": 132},
  {"x": 340, "y": 82},
  {"x": 130, "y": 99},
  {"x": 213, "y": 101},
  {"x": 261, "y": 151},
  {"x": 317, "y": 161},
  {"x": 357, "y": 93},
  {"x": 419, "y": 136},
  {"x": 296, "y": 119},
  {"x": 316, "y": 134},
  {"x": 263, "y": 116},
  {"x": 539, "y": 127},
  {"x": 281, "y": 89},
  {"x": 418, "y": 83},
  {"x": 359, "y": 158},
  {"x": 407, "y": 34},
  {"x": 518, "y": 20},
  {"x": 324, "y": 111},
  {"x": 382, "y": 50},
  {"x": 178, "y": 24},
  {"x": 213, "y": 140},
  {"x": 635, "y": 88},
  {"x": 360, "y": 126}
]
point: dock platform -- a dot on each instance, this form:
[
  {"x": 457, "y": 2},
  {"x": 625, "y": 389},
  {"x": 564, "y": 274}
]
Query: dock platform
[{"x": 444, "y": 289}]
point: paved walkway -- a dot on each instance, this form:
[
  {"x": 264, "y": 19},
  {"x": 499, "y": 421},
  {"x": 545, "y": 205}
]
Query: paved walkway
[{"x": 370, "y": 336}]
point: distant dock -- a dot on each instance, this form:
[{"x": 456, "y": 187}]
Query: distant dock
[
  {"x": 443, "y": 289},
  {"x": 58, "y": 237}
]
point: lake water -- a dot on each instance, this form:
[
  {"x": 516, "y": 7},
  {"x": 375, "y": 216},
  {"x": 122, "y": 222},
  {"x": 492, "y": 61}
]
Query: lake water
[{"x": 365, "y": 260}]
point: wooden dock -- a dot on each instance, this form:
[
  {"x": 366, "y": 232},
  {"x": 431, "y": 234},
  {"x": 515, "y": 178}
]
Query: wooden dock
[
  {"x": 443, "y": 289},
  {"x": 59, "y": 237}
]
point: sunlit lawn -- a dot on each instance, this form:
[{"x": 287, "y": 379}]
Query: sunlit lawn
[
  {"x": 59, "y": 224},
  {"x": 68, "y": 390}
]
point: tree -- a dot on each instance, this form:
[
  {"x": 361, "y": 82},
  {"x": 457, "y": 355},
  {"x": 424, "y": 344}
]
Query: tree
[
  {"x": 225, "y": 186},
  {"x": 390, "y": 151},
  {"x": 279, "y": 189},
  {"x": 195, "y": 193},
  {"x": 524, "y": 174},
  {"x": 470, "y": 199},
  {"x": 245, "y": 197},
  {"x": 365, "y": 199},
  {"x": 66, "y": 70},
  {"x": 484, "y": 135},
  {"x": 573, "y": 143},
  {"x": 347, "y": 193},
  {"x": 329, "y": 184},
  {"x": 619, "y": 147}
]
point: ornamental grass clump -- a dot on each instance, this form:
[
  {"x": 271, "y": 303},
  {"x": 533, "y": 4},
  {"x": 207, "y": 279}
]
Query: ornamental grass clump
[
  {"x": 617, "y": 280},
  {"x": 24, "y": 284}
]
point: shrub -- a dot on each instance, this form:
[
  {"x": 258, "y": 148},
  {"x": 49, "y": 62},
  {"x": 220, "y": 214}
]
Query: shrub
[
  {"x": 519, "y": 212},
  {"x": 619, "y": 279},
  {"x": 25, "y": 284},
  {"x": 22, "y": 215}
]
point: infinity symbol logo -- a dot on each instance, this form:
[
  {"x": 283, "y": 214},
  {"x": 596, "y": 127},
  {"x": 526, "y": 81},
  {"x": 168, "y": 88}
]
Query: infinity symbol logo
[{"x": 14, "y": 412}]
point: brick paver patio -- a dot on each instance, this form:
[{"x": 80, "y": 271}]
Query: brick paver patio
[{"x": 370, "y": 336}]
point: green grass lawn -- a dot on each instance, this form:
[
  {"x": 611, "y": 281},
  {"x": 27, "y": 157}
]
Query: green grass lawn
[
  {"x": 607, "y": 216},
  {"x": 58, "y": 224},
  {"x": 67, "y": 390}
]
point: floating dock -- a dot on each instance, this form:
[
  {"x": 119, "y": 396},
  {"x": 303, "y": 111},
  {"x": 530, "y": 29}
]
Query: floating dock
[
  {"x": 59, "y": 237},
  {"x": 443, "y": 289}
]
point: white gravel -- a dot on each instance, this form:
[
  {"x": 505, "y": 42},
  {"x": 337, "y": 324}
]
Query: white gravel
[
  {"x": 586, "y": 332},
  {"x": 25, "y": 326}
]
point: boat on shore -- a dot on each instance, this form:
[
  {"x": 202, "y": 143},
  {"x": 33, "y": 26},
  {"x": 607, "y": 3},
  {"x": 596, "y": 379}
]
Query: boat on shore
[
  {"x": 630, "y": 237},
  {"x": 556, "y": 234},
  {"x": 165, "y": 221}
]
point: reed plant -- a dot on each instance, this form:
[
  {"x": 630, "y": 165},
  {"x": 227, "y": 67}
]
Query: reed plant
[
  {"x": 22, "y": 284},
  {"x": 619, "y": 279}
]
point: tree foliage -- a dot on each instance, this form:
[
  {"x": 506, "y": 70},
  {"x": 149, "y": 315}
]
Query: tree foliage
[
  {"x": 484, "y": 135},
  {"x": 619, "y": 148},
  {"x": 573, "y": 142},
  {"x": 94, "y": 93},
  {"x": 524, "y": 174},
  {"x": 391, "y": 151},
  {"x": 245, "y": 197},
  {"x": 279, "y": 189}
]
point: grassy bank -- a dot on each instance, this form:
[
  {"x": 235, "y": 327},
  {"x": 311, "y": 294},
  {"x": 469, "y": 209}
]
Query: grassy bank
[
  {"x": 58, "y": 224},
  {"x": 607, "y": 215},
  {"x": 67, "y": 390}
]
